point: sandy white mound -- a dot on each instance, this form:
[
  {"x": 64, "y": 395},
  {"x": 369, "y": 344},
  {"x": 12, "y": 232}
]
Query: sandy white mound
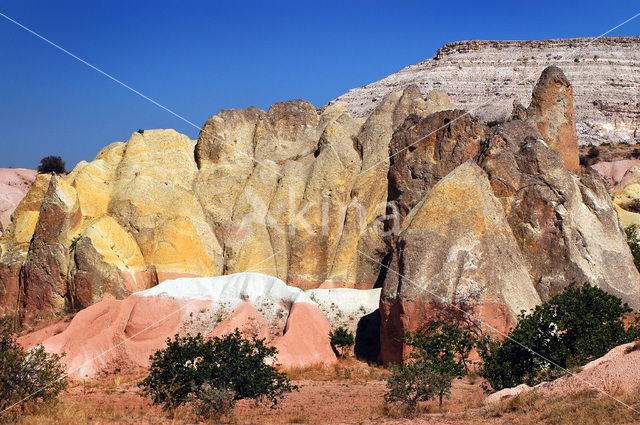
[
  {"x": 124, "y": 333},
  {"x": 346, "y": 306}
]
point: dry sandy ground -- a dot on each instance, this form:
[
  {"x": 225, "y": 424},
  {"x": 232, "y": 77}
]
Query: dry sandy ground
[
  {"x": 330, "y": 398},
  {"x": 352, "y": 392}
]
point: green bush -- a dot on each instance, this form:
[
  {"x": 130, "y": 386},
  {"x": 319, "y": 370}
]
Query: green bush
[
  {"x": 52, "y": 164},
  {"x": 634, "y": 243},
  {"x": 439, "y": 353},
  {"x": 415, "y": 381},
  {"x": 32, "y": 374},
  {"x": 571, "y": 329},
  {"x": 444, "y": 347},
  {"x": 193, "y": 368},
  {"x": 341, "y": 339}
]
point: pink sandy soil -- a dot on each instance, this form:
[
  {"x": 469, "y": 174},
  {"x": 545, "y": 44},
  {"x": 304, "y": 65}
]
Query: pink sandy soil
[
  {"x": 122, "y": 334},
  {"x": 613, "y": 171},
  {"x": 14, "y": 184}
]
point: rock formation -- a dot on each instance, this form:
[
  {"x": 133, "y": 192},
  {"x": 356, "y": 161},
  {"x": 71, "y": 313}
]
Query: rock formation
[
  {"x": 417, "y": 199},
  {"x": 551, "y": 110},
  {"x": 614, "y": 171},
  {"x": 552, "y": 227},
  {"x": 455, "y": 244},
  {"x": 14, "y": 184},
  {"x": 288, "y": 192},
  {"x": 486, "y": 77}
]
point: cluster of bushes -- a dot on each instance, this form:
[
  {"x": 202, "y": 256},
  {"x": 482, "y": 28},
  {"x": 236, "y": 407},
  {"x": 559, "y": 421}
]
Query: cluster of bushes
[
  {"x": 569, "y": 330},
  {"x": 27, "y": 378},
  {"x": 52, "y": 164}
]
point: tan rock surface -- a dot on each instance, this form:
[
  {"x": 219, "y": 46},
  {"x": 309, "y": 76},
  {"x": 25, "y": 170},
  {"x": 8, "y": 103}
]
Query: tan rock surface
[
  {"x": 551, "y": 110},
  {"x": 312, "y": 199},
  {"x": 471, "y": 254},
  {"x": 271, "y": 191}
]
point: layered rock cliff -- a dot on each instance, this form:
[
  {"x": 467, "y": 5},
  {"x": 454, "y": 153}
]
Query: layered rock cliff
[{"x": 486, "y": 77}]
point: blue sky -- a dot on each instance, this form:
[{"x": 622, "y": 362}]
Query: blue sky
[{"x": 197, "y": 57}]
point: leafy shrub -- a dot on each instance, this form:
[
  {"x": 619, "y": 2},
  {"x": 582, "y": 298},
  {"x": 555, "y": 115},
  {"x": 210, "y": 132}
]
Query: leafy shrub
[
  {"x": 194, "y": 368},
  {"x": 444, "y": 348},
  {"x": 341, "y": 339},
  {"x": 414, "y": 381},
  {"x": 439, "y": 353},
  {"x": 571, "y": 329},
  {"x": 33, "y": 374},
  {"x": 52, "y": 164}
]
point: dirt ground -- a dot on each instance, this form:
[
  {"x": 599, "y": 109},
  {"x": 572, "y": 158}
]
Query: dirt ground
[{"x": 350, "y": 393}]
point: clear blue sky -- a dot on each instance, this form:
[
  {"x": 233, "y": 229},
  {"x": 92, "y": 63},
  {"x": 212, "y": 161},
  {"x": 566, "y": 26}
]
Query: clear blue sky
[{"x": 197, "y": 57}]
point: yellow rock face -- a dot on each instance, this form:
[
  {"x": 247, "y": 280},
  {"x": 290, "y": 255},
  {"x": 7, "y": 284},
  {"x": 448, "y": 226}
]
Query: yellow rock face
[
  {"x": 25, "y": 217},
  {"x": 289, "y": 192}
]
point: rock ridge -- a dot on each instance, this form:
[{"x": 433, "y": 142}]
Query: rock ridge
[{"x": 487, "y": 76}]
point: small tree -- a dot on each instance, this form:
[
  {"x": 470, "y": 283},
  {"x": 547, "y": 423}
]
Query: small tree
[
  {"x": 444, "y": 348},
  {"x": 415, "y": 381},
  {"x": 34, "y": 373},
  {"x": 341, "y": 339},
  {"x": 192, "y": 368},
  {"x": 571, "y": 329},
  {"x": 52, "y": 164}
]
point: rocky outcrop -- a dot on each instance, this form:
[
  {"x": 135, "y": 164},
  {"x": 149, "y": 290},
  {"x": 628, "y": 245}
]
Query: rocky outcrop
[
  {"x": 325, "y": 201},
  {"x": 455, "y": 244},
  {"x": 551, "y": 110},
  {"x": 548, "y": 227},
  {"x": 614, "y": 171},
  {"x": 14, "y": 184},
  {"x": 288, "y": 192},
  {"x": 486, "y": 77}
]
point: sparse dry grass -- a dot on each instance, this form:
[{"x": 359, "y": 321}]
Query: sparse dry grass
[
  {"x": 585, "y": 408},
  {"x": 345, "y": 369}
]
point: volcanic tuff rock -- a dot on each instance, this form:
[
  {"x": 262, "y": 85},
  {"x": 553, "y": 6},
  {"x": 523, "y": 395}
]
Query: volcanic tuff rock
[
  {"x": 549, "y": 229},
  {"x": 288, "y": 192},
  {"x": 254, "y": 303},
  {"x": 324, "y": 200},
  {"x": 454, "y": 244},
  {"x": 486, "y": 77}
]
